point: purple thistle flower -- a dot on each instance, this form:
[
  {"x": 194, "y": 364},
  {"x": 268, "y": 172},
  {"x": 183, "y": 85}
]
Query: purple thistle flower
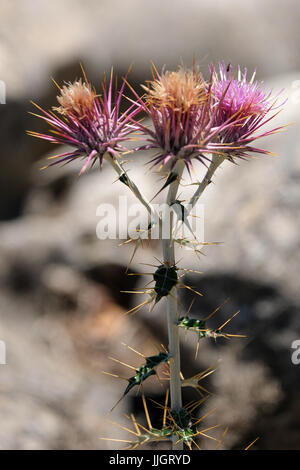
[
  {"x": 90, "y": 124},
  {"x": 176, "y": 103},
  {"x": 239, "y": 109}
]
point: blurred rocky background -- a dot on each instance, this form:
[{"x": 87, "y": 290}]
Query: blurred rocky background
[{"x": 61, "y": 306}]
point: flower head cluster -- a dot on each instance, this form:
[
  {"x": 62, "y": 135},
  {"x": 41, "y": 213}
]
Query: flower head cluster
[
  {"x": 194, "y": 119},
  {"x": 92, "y": 125},
  {"x": 191, "y": 118}
]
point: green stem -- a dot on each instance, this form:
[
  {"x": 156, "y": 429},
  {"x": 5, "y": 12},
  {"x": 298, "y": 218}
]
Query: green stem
[
  {"x": 117, "y": 166},
  {"x": 214, "y": 164},
  {"x": 172, "y": 307}
]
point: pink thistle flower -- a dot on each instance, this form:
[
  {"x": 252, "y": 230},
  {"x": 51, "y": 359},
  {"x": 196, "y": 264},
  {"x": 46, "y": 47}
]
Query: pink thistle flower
[
  {"x": 239, "y": 109},
  {"x": 176, "y": 103},
  {"x": 92, "y": 125}
]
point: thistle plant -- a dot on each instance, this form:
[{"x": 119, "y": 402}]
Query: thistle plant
[{"x": 189, "y": 120}]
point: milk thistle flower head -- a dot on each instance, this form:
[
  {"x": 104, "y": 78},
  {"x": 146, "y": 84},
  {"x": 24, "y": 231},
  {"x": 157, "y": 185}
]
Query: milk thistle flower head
[
  {"x": 175, "y": 103},
  {"x": 92, "y": 125},
  {"x": 240, "y": 107}
]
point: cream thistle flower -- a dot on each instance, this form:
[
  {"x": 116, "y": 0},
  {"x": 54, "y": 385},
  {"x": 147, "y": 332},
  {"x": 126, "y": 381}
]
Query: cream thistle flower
[
  {"x": 176, "y": 102},
  {"x": 242, "y": 107},
  {"x": 89, "y": 123}
]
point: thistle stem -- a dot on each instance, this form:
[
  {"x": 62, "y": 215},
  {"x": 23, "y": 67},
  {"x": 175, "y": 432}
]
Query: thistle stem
[
  {"x": 214, "y": 164},
  {"x": 172, "y": 307},
  {"x": 117, "y": 166}
]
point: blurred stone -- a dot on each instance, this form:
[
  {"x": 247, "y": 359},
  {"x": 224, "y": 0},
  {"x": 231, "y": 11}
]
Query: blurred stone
[
  {"x": 58, "y": 33},
  {"x": 47, "y": 399},
  {"x": 53, "y": 394}
]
